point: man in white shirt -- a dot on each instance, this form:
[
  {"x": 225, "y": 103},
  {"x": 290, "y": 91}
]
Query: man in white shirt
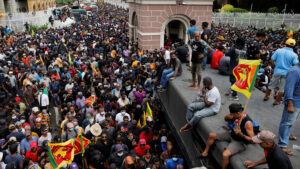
[
  {"x": 43, "y": 100},
  {"x": 100, "y": 116},
  {"x": 119, "y": 116},
  {"x": 208, "y": 107},
  {"x": 167, "y": 57}
]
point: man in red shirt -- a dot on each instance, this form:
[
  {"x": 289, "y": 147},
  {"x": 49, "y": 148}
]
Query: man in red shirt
[
  {"x": 33, "y": 152},
  {"x": 141, "y": 148},
  {"x": 216, "y": 57}
]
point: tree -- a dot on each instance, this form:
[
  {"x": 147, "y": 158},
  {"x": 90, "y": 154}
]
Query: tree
[{"x": 273, "y": 10}]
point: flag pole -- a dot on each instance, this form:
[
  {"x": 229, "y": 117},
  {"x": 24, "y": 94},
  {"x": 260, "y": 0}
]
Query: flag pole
[
  {"x": 244, "y": 111},
  {"x": 82, "y": 153}
]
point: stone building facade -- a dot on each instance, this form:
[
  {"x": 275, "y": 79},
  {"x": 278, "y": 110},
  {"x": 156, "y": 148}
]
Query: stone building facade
[
  {"x": 151, "y": 21},
  {"x": 16, "y": 6}
]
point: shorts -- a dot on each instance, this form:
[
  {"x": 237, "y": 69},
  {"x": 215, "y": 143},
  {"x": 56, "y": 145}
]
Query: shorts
[
  {"x": 196, "y": 68},
  {"x": 233, "y": 146},
  {"x": 277, "y": 81}
]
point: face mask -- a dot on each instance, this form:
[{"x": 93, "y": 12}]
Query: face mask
[
  {"x": 71, "y": 129},
  {"x": 76, "y": 128},
  {"x": 134, "y": 89},
  {"x": 102, "y": 113},
  {"x": 93, "y": 95},
  {"x": 174, "y": 158},
  {"x": 13, "y": 117},
  {"x": 123, "y": 113},
  {"x": 120, "y": 154},
  {"x": 22, "y": 121}
]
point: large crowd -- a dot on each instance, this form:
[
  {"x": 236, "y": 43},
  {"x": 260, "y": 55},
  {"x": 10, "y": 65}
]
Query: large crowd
[{"x": 89, "y": 79}]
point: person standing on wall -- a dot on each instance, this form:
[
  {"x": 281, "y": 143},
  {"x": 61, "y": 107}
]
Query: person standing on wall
[{"x": 198, "y": 47}]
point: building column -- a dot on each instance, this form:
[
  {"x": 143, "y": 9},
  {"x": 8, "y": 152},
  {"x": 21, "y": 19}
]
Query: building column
[{"x": 2, "y": 7}]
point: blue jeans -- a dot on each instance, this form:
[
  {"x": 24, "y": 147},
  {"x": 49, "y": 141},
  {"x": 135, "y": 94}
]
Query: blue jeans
[
  {"x": 197, "y": 111},
  {"x": 287, "y": 120},
  {"x": 166, "y": 75}
]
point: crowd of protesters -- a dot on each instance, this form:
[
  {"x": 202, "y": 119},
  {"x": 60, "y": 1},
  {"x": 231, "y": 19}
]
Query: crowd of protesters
[
  {"x": 82, "y": 79},
  {"x": 89, "y": 79}
]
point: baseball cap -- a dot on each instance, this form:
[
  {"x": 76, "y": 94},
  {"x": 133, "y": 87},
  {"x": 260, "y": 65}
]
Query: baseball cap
[
  {"x": 290, "y": 42},
  {"x": 163, "y": 139},
  {"x": 11, "y": 127},
  {"x": 142, "y": 141},
  {"x": 264, "y": 136},
  {"x": 13, "y": 139},
  {"x": 33, "y": 144},
  {"x": 119, "y": 148},
  {"x": 18, "y": 99},
  {"x": 35, "y": 109}
]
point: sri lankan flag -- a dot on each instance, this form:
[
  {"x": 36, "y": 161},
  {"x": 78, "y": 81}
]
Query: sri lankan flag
[
  {"x": 245, "y": 73},
  {"x": 70, "y": 59},
  {"x": 61, "y": 153},
  {"x": 290, "y": 33},
  {"x": 80, "y": 144},
  {"x": 148, "y": 110}
]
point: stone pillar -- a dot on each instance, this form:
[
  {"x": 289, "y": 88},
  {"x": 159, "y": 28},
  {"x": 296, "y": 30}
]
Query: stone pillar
[
  {"x": 2, "y": 7},
  {"x": 11, "y": 6}
]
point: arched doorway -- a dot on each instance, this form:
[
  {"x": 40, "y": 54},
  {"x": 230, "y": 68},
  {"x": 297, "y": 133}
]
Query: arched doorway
[
  {"x": 174, "y": 29},
  {"x": 135, "y": 27}
]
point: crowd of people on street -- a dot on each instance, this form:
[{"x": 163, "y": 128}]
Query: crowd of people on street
[
  {"x": 89, "y": 79},
  {"x": 83, "y": 80}
]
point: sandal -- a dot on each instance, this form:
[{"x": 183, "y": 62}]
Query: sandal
[
  {"x": 288, "y": 152},
  {"x": 294, "y": 138}
]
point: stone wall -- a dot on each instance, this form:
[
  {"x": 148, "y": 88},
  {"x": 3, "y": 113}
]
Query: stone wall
[{"x": 152, "y": 20}]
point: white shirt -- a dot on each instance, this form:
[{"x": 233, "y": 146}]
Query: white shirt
[
  {"x": 124, "y": 102},
  {"x": 99, "y": 118},
  {"x": 42, "y": 139},
  {"x": 45, "y": 99},
  {"x": 167, "y": 56},
  {"x": 213, "y": 95},
  {"x": 119, "y": 117},
  {"x": 69, "y": 86}
]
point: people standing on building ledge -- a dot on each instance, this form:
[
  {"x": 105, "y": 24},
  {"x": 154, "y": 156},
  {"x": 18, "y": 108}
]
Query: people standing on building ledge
[
  {"x": 291, "y": 109},
  {"x": 208, "y": 107},
  {"x": 274, "y": 156},
  {"x": 198, "y": 47},
  {"x": 282, "y": 60}
]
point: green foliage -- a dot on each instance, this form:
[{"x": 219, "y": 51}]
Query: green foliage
[
  {"x": 226, "y": 7},
  {"x": 273, "y": 10},
  {"x": 241, "y": 10},
  {"x": 64, "y": 2},
  {"x": 36, "y": 28},
  {"x": 230, "y": 8}
]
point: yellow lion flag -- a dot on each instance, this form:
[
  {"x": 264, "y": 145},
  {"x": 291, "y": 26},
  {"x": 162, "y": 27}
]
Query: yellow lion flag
[
  {"x": 61, "y": 153},
  {"x": 245, "y": 73}
]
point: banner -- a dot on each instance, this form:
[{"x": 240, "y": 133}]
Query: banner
[
  {"x": 61, "y": 153},
  {"x": 245, "y": 73}
]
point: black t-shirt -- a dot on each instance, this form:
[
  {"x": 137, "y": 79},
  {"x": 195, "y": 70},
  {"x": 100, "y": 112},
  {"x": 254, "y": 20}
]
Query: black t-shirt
[
  {"x": 197, "y": 49},
  {"x": 253, "y": 48},
  {"x": 205, "y": 32}
]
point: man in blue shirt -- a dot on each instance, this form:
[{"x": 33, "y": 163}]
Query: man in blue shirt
[
  {"x": 25, "y": 143},
  {"x": 175, "y": 162},
  {"x": 191, "y": 31},
  {"x": 291, "y": 109},
  {"x": 283, "y": 59}
]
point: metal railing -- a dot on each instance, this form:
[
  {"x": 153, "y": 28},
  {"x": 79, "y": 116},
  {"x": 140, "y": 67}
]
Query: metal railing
[{"x": 259, "y": 20}]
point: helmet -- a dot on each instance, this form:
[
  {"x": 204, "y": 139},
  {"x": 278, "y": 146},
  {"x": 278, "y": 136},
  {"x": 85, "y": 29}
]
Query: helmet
[{"x": 290, "y": 42}]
